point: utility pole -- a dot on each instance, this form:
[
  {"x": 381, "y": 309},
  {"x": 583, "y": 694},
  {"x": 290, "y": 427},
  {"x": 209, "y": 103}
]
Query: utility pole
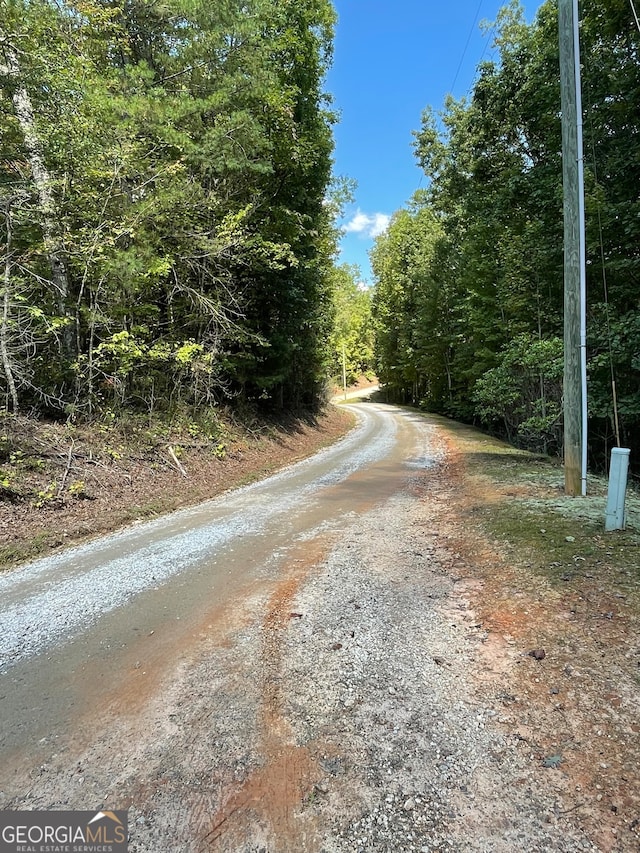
[{"x": 574, "y": 252}]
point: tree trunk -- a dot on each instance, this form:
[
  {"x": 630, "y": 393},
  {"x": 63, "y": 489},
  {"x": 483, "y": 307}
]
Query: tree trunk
[
  {"x": 447, "y": 367},
  {"x": 4, "y": 325},
  {"x": 43, "y": 183}
]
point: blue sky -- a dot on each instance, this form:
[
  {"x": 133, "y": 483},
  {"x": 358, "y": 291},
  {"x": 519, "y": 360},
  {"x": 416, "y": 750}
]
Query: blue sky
[{"x": 391, "y": 60}]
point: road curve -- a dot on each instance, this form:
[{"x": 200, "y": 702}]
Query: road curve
[{"x": 74, "y": 624}]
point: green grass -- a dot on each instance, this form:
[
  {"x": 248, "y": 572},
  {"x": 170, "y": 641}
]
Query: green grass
[
  {"x": 22, "y": 551},
  {"x": 557, "y": 537}
]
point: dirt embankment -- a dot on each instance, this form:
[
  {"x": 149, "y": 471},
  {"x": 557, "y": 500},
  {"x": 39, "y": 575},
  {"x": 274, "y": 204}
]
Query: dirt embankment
[{"x": 62, "y": 483}]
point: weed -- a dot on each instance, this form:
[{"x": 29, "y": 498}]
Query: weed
[
  {"x": 46, "y": 495},
  {"x": 6, "y": 447},
  {"x": 148, "y": 510},
  {"x": 77, "y": 489},
  {"x": 12, "y": 554},
  {"x": 20, "y": 551}
]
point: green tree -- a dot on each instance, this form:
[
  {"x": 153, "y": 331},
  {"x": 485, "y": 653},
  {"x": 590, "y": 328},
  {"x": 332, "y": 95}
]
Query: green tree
[
  {"x": 494, "y": 168},
  {"x": 413, "y": 323},
  {"x": 173, "y": 158},
  {"x": 352, "y": 336}
]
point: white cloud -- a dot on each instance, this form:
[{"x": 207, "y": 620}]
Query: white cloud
[{"x": 367, "y": 225}]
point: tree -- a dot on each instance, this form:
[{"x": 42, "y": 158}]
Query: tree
[
  {"x": 352, "y": 335},
  {"x": 494, "y": 168},
  {"x": 408, "y": 305},
  {"x": 177, "y": 159}
]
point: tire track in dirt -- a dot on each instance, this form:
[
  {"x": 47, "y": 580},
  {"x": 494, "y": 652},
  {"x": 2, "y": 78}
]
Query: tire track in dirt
[{"x": 266, "y": 806}]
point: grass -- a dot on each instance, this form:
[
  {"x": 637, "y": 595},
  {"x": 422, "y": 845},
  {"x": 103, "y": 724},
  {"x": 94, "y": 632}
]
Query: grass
[
  {"x": 519, "y": 502},
  {"x": 21, "y": 551}
]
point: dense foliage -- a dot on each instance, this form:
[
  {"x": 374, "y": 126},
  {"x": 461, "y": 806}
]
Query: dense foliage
[
  {"x": 469, "y": 297},
  {"x": 163, "y": 172},
  {"x": 351, "y": 342}
]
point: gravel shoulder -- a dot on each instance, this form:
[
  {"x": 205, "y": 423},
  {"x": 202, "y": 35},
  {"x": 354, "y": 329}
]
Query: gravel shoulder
[{"x": 367, "y": 698}]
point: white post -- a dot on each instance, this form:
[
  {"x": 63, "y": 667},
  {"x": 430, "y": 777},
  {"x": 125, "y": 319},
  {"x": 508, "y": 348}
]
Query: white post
[{"x": 615, "y": 517}]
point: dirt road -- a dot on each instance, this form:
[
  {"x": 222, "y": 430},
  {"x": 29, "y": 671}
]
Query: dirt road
[{"x": 290, "y": 667}]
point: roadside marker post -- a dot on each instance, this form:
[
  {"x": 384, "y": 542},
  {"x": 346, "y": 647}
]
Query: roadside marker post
[{"x": 615, "y": 516}]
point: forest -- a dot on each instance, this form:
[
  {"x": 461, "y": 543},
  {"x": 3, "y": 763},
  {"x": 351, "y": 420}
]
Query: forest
[
  {"x": 468, "y": 302},
  {"x": 168, "y": 215},
  {"x": 167, "y": 231}
]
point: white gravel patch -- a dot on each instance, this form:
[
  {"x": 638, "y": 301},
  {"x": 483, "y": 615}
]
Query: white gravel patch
[{"x": 53, "y": 599}]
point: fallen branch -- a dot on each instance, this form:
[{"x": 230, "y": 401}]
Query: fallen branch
[
  {"x": 572, "y": 809},
  {"x": 63, "y": 482},
  {"x": 177, "y": 461}
]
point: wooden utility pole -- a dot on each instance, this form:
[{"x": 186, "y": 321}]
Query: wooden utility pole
[{"x": 571, "y": 163}]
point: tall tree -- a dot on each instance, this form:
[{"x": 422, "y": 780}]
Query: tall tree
[
  {"x": 177, "y": 158},
  {"x": 352, "y": 336},
  {"x": 494, "y": 169}
]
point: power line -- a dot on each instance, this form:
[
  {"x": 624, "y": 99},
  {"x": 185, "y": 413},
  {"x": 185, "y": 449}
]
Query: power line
[
  {"x": 635, "y": 14},
  {"x": 487, "y": 42},
  {"x": 464, "y": 52}
]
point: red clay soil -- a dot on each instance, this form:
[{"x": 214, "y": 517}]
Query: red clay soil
[{"x": 561, "y": 666}]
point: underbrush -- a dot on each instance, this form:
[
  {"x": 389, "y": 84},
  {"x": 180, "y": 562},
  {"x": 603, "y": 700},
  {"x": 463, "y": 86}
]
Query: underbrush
[{"x": 42, "y": 462}]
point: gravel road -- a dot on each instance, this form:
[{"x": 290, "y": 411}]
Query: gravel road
[{"x": 293, "y": 667}]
